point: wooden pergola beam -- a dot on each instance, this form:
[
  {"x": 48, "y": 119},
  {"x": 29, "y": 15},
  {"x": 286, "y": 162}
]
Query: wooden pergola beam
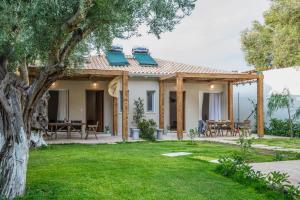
[
  {"x": 163, "y": 78},
  {"x": 125, "y": 106},
  {"x": 260, "y": 105},
  {"x": 115, "y": 115},
  {"x": 179, "y": 107},
  {"x": 240, "y": 76},
  {"x": 230, "y": 103},
  {"x": 161, "y": 105},
  {"x": 83, "y": 72}
]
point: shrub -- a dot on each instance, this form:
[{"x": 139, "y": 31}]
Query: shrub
[
  {"x": 245, "y": 145},
  {"x": 239, "y": 170},
  {"x": 278, "y": 156},
  {"x": 281, "y": 127},
  {"x": 147, "y": 129},
  {"x": 192, "y": 134}
]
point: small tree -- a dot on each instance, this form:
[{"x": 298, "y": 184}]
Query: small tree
[
  {"x": 284, "y": 100},
  {"x": 192, "y": 134},
  {"x": 253, "y": 112},
  {"x": 139, "y": 111}
]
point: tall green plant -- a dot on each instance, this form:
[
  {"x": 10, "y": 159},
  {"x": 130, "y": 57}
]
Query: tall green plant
[
  {"x": 254, "y": 112},
  {"x": 139, "y": 111},
  {"x": 284, "y": 100}
]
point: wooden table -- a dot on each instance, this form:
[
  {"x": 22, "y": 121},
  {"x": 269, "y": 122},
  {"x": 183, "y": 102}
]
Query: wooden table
[
  {"x": 217, "y": 127},
  {"x": 68, "y": 125}
]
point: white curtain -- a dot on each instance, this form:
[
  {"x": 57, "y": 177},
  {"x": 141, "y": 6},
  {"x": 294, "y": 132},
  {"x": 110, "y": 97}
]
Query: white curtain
[
  {"x": 63, "y": 100},
  {"x": 215, "y": 106}
]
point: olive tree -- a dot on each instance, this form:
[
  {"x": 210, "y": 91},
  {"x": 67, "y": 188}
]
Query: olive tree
[{"x": 54, "y": 36}]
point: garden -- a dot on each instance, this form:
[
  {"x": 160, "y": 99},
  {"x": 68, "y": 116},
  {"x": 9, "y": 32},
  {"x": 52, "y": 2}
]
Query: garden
[{"x": 140, "y": 171}]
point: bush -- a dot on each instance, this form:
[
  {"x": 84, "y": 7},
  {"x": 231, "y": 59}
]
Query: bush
[
  {"x": 147, "y": 129},
  {"x": 280, "y": 127},
  {"x": 237, "y": 169},
  {"x": 192, "y": 134}
]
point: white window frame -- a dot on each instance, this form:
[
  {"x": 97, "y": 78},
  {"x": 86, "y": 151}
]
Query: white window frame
[{"x": 153, "y": 101}]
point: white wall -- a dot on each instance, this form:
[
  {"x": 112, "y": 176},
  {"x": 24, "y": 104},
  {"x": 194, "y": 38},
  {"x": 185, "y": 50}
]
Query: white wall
[
  {"x": 138, "y": 87},
  {"x": 193, "y": 108},
  {"x": 274, "y": 81},
  {"x": 77, "y": 109}
]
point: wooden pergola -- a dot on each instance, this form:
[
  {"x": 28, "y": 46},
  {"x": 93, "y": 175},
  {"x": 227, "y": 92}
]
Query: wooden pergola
[
  {"x": 230, "y": 79},
  {"x": 97, "y": 75},
  {"x": 179, "y": 78}
]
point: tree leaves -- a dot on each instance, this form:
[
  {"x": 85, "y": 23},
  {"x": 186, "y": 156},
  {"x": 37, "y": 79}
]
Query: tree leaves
[
  {"x": 276, "y": 43},
  {"x": 40, "y": 25}
]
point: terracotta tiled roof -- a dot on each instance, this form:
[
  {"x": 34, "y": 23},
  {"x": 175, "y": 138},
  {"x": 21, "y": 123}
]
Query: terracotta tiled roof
[{"x": 163, "y": 68}]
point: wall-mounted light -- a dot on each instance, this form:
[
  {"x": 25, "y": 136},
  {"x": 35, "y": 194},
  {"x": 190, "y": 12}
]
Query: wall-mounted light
[
  {"x": 212, "y": 86},
  {"x": 53, "y": 84},
  {"x": 94, "y": 84}
]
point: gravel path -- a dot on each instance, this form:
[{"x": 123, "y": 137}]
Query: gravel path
[{"x": 291, "y": 167}]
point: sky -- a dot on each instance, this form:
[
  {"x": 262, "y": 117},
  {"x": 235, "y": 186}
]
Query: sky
[{"x": 210, "y": 37}]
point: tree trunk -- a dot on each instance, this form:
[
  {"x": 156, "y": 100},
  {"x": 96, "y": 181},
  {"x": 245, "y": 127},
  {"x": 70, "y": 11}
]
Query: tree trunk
[
  {"x": 14, "y": 148},
  {"x": 290, "y": 123},
  {"x": 13, "y": 165},
  {"x": 36, "y": 139},
  {"x": 39, "y": 122}
]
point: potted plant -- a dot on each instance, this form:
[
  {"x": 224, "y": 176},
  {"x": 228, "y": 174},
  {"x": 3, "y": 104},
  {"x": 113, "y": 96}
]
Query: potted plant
[
  {"x": 138, "y": 115},
  {"x": 106, "y": 128}
]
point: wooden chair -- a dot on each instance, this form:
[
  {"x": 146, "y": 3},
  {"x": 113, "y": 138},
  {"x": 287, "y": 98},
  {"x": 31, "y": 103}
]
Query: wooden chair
[
  {"x": 246, "y": 128},
  {"x": 211, "y": 129},
  {"x": 92, "y": 129},
  {"x": 77, "y": 128},
  {"x": 226, "y": 126}
]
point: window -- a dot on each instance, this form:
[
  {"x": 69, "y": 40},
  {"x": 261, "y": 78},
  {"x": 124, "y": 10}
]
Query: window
[
  {"x": 150, "y": 101},
  {"x": 121, "y": 100}
]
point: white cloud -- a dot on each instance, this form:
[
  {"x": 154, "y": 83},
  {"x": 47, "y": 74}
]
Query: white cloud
[{"x": 209, "y": 37}]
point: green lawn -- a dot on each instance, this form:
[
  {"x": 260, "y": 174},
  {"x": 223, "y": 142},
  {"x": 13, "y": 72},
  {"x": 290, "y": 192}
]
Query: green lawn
[
  {"x": 135, "y": 171},
  {"x": 293, "y": 143}
]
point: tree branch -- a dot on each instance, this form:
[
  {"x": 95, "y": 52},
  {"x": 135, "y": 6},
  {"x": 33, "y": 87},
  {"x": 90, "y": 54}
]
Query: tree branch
[
  {"x": 76, "y": 37},
  {"x": 80, "y": 14},
  {"x": 3, "y": 67},
  {"x": 24, "y": 72},
  {"x": 68, "y": 27}
]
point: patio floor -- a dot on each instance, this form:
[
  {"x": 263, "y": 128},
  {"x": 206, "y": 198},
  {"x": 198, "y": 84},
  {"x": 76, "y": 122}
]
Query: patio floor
[{"x": 108, "y": 139}]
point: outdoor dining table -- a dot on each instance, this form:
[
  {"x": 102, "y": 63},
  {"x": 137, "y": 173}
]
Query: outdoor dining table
[
  {"x": 62, "y": 125},
  {"x": 217, "y": 126}
]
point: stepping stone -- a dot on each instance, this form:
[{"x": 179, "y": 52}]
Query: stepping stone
[
  {"x": 214, "y": 161},
  {"x": 175, "y": 154}
]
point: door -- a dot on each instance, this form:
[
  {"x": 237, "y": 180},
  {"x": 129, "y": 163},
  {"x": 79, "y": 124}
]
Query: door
[
  {"x": 94, "y": 108},
  {"x": 173, "y": 110}
]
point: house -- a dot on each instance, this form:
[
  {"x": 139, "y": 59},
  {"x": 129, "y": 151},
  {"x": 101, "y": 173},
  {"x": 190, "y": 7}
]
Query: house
[
  {"x": 175, "y": 95},
  {"x": 275, "y": 80}
]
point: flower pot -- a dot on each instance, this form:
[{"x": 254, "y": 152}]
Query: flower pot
[
  {"x": 131, "y": 132},
  {"x": 159, "y": 134},
  {"x": 135, "y": 134}
]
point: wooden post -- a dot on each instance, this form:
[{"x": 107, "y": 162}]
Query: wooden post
[
  {"x": 161, "y": 105},
  {"x": 230, "y": 103},
  {"x": 260, "y": 105},
  {"x": 115, "y": 115},
  {"x": 125, "y": 106},
  {"x": 179, "y": 106}
]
